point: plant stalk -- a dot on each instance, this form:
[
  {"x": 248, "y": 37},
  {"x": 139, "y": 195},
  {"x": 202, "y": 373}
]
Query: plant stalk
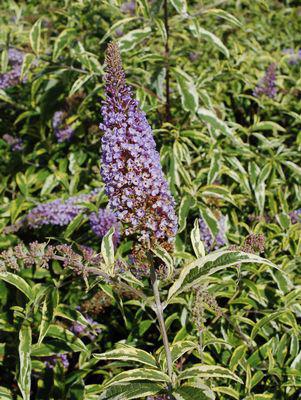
[
  {"x": 159, "y": 313},
  {"x": 167, "y": 76}
]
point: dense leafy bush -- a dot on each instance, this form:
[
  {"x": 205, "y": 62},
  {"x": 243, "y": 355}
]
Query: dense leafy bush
[{"x": 90, "y": 312}]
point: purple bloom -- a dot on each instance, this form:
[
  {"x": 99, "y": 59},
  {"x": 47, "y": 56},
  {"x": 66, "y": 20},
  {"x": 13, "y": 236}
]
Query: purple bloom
[
  {"x": 211, "y": 242},
  {"x": 51, "y": 361},
  {"x": 62, "y": 131},
  {"x": 295, "y": 216},
  {"x": 102, "y": 221},
  {"x": 57, "y": 212},
  {"x": 267, "y": 85},
  {"x": 128, "y": 7},
  {"x": 90, "y": 331},
  {"x": 294, "y": 58},
  {"x": 15, "y": 143},
  {"x": 12, "y": 76},
  {"x": 134, "y": 182}
]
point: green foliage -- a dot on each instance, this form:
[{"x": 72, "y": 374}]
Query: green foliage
[{"x": 232, "y": 317}]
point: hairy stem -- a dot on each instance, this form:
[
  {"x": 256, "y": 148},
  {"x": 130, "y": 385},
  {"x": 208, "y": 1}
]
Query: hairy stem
[
  {"x": 159, "y": 313},
  {"x": 167, "y": 76}
]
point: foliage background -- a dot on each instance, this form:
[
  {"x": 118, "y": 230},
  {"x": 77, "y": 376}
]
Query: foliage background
[{"x": 222, "y": 150}]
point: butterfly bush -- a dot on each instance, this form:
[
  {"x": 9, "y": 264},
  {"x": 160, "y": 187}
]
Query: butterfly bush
[
  {"x": 102, "y": 221},
  {"x": 211, "y": 242},
  {"x": 134, "y": 182},
  {"x": 13, "y": 75},
  {"x": 267, "y": 85},
  {"x": 62, "y": 130}
]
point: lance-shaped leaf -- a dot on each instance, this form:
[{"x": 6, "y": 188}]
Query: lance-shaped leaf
[
  {"x": 187, "y": 90},
  {"x": 177, "y": 350},
  {"x": 208, "y": 371},
  {"x": 107, "y": 250},
  {"x": 214, "y": 40},
  {"x": 180, "y": 6},
  {"x": 129, "y": 391},
  {"x": 219, "y": 260},
  {"x": 25, "y": 342},
  {"x": 48, "y": 308},
  {"x": 62, "y": 41},
  {"x": 74, "y": 342},
  {"x": 139, "y": 374},
  {"x": 189, "y": 392},
  {"x": 210, "y": 118},
  {"x": 161, "y": 253},
  {"x": 128, "y": 353},
  {"x": 35, "y": 36},
  {"x": 18, "y": 282},
  {"x": 131, "y": 39},
  {"x": 196, "y": 241},
  {"x": 187, "y": 203}
]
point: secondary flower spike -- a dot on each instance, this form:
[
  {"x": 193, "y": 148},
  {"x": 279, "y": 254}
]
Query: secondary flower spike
[{"x": 137, "y": 190}]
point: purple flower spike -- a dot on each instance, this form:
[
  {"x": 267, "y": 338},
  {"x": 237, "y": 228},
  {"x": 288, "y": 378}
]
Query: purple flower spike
[
  {"x": 134, "y": 182},
  {"x": 267, "y": 85},
  {"x": 16, "y": 144},
  {"x": 57, "y": 212},
  {"x": 295, "y": 216},
  {"x": 102, "y": 221},
  {"x": 63, "y": 132},
  {"x": 210, "y": 242},
  {"x": 12, "y": 76}
]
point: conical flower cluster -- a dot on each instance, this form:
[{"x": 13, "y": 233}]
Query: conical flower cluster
[{"x": 137, "y": 190}]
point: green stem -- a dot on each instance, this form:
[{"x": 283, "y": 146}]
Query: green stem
[{"x": 159, "y": 313}]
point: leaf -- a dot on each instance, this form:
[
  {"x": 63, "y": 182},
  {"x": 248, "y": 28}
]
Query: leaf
[
  {"x": 140, "y": 374},
  {"x": 35, "y": 36},
  {"x": 128, "y": 353},
  {"x": 215, "y": 41},
  {"x": 18, "y": 282},
  {"x": 223, "y": 14},
  {"x": 265, "y": 320},
  {"x": 237, "y": 355},
  {"x": 180, "y": 6},
  {"x": 131, "y": 39},
  {"x": 27, "y": 61},
  {"x": 187, "y": 90},
  {"x": 25, "y": 342},
  {"x": 214, "y": 169},
  {"x": 61, "y": 42},
  {"x": 190, "y": 393},
  {"x": 49, "y": 305},
  {"x": 267, "y": 126},
  {"x": 79, "y": 83},
  {"x": 107, "y": 250},
  {"x": 218, "y": 191},
  {"x": 63, "y": 334},
  {"x": 165, "y": 257},
  {"x": 73, "y": 225},
  {"x": 128, "y": 391},
  {"x": 208, "y": 265},
  {"x": 208, "y": 371},
  {"x": 177, "y": 350},
  {"x": 187, "y": 203},
  {"x": 5, "y": 394},
  {"x": 195, "y": 236},
  {"x": 293, "y": 167},
  {"x": 210, "y": 220},
  {"x": 228, "y": 391},
  {"x": 210, "y": 118}
]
